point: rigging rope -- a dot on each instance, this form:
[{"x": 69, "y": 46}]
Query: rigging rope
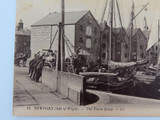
[
  {"x": 105, "y": 7},
  {"x": 114, "y": 11},
  {"x": 119, "y": 14},
  {"x": 53, "y": 39},
  {"x": 67, "y": 43},
  {"x": 109, "y": 11}
]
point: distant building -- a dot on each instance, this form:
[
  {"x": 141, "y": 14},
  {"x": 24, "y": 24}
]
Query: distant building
[
  {"x": 121, "y": 45},
  {"x": 104, "y": 43},
  {"x": 81, "y": 29},
  {"x": 22, "y": 40},
  {"x": 153, "y": 54},
  {"x": 147, "y": 34},
  {"x": 139, "y": 44}
]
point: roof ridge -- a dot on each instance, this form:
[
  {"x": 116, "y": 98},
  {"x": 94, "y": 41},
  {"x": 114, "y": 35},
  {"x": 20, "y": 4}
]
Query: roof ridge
[
  {"x": 70, "y": 18},
  {"x": 70, "y": 11}
]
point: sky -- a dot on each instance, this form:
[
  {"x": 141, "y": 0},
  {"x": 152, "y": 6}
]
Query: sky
[{"x": 30, "y": 11}]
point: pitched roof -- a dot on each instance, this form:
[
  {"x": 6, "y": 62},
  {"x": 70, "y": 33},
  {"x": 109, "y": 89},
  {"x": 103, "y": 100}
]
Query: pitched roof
[
  {"x": 155, "y": 44},
  {"x": 135, "y": 30},
  {"x": 103, "y": 26},
  {"x": 147, "y": 34},
  {"x": 117, "y": 30},
  {"x": 54, "y": 18}
]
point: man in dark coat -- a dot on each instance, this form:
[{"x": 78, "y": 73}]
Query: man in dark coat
[
  {"x": 31, "y": 66},
  {"x": 35, "y": 68},
  {"x": 39, "y": 70}
]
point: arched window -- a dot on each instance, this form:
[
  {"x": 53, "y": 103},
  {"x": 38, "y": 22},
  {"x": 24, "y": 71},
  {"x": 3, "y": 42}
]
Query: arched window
[
  {"x": 126, "y": 55},
  {"x": 88, "y": 43},
  {"x": 95, "y": 41},
  {"x": 103, "y": 55},
  {"x": 81, "y": 28},
  {"x": 142, "y": 55},
  {"x": 103, "y": 46},
  {"x": 126, "y": 46},
  {"x": 80, "y": 40},
  {"x": 104, "y": 36},
  {"x": 95, "y": 31},
  {"x": 89, "y": 31}
]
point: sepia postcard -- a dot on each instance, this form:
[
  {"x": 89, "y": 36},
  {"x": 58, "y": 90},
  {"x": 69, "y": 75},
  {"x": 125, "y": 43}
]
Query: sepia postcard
[{"x": 87, "y": 58}]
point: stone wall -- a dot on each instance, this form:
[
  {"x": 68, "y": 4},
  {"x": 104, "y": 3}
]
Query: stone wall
[
  {"x": 72, "y": 86},
  {"x": 49, "y": 78}
]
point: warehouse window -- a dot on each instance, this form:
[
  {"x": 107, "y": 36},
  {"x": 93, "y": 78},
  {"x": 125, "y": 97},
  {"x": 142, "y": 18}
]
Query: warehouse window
[
  {"x": 89, "y": 31},
  {"x": 81, "y": 40},
  {"x": 142, "y": 55},
  {"x": 126, "y": 55},
  {"x": 95, "y": 41},
  {"x": 104, "y": 36},
  {"x": 103, "y": 55},
  {"x": 103, "y": 46},
  {"x": 95, "y": 31},
  {"x": 81, "y": 28},
  {"x": 88, "y": 43},
  {"x": 126, "y": 46}
]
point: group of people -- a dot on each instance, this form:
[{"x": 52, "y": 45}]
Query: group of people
[
  {"x": 35, "y": 68},
  {"x": 42, "y": 58}
]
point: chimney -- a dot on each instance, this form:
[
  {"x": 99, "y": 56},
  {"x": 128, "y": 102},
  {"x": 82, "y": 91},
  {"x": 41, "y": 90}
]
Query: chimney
[
  {"x": 105, "y": 24},
  {"x": 20, "y": 26}
]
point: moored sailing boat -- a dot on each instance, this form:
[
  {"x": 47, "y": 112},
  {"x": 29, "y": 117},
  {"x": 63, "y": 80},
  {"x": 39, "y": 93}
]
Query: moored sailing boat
[{"x": 124, "y": 71}]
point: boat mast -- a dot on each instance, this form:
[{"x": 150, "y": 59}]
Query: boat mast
[
  {"x": 111, "y": 29},
  {"x": 158, "y": 43},
  {"x": 119, "y": 14},
  {"x": 101, "y": 31},
  {"x": 131, "y": 31},
  {"x": 61, "y": 42},
  {"x": 105, "y": 7},
  {"x": 62, "y": 35}
]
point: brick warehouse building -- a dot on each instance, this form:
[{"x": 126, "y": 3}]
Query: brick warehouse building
[
  {"x": 139, "y": 44},
  {"x": 120, "y": 45},
  {"x": 105, "y": 44},
  {"x": 81, "y": 29},
  {"x": 22, "y": 40},
  {"x": 153, "y": 54}
]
